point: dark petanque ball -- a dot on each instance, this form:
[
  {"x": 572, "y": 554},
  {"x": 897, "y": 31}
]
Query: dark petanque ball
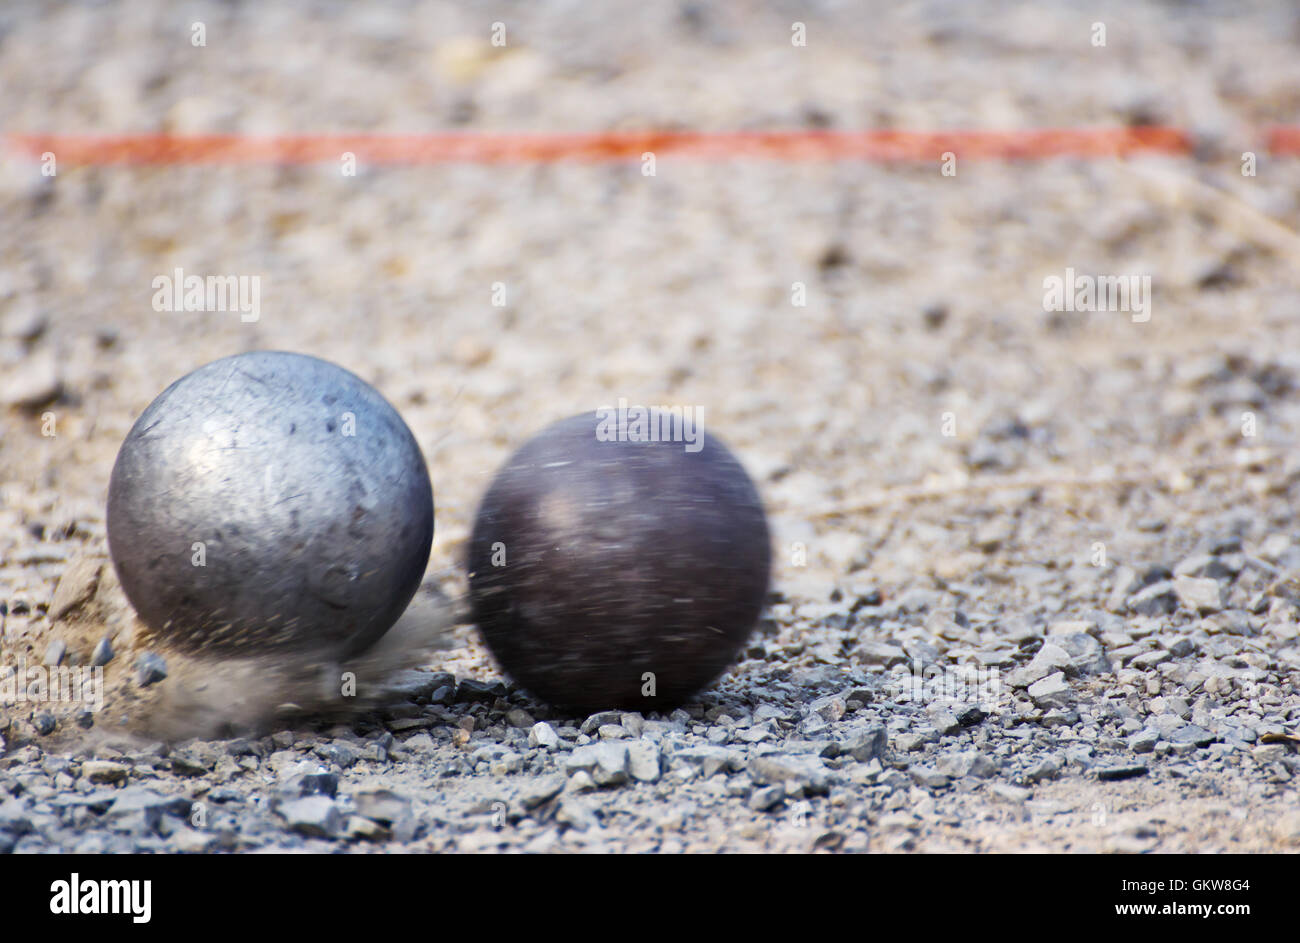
[
  {"x": 266, "y": 501},
  {"x": 618, "y": 574}
]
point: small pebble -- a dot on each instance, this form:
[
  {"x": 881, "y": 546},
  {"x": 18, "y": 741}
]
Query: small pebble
[{"x": 102, "y": 654}]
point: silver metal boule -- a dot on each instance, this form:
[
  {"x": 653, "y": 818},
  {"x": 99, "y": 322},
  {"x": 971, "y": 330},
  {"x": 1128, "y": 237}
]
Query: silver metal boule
[{"x": 270, "y": 500}]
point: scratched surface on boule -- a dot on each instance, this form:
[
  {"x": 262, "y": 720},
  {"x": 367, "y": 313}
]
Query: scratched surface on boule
[{"x": 309, "y": 496}]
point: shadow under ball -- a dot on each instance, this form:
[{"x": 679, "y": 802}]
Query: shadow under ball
[
  {"x": 598, "y": 568},
  {"x": 270, "y": 500}
]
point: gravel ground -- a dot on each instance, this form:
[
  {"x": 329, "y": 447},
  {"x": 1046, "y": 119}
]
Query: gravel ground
[{"x": 1070, "y": 624}]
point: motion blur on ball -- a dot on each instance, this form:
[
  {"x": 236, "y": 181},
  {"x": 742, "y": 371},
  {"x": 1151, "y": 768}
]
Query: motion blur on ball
[
  {"x": 270, "y": 501},
  {"x": 614, "y": 569}
]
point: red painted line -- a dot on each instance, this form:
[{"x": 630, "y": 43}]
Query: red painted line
[
  {"x": 1284, "y": 141},
  {"x": 883, "y": 146}
]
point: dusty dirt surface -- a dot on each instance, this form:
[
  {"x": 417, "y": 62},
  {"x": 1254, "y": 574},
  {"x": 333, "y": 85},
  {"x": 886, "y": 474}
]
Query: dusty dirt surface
[{"x": 1095, "y": 510}]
